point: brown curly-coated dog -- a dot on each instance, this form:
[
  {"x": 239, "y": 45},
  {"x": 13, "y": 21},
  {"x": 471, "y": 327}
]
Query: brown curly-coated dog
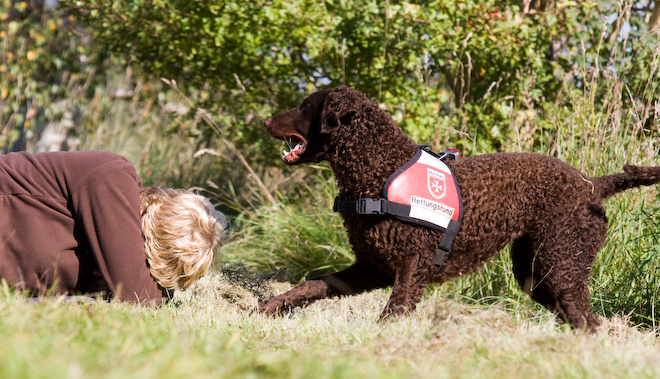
[{"x": 550, "y": 212}]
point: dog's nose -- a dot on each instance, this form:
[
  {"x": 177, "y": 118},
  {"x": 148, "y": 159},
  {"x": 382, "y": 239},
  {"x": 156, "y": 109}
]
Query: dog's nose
[{"x": 267, "y": 122}]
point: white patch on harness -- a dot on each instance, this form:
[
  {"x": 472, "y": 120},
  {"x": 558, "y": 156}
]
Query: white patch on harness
[{"x": 425, "y": 209}]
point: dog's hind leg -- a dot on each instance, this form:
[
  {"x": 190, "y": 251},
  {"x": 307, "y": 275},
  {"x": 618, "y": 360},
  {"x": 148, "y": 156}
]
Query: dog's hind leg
[
  {"x": 353, "y": 280},
  {"x": 556, "y": 271},
  {"x": 523, "y": 253}
]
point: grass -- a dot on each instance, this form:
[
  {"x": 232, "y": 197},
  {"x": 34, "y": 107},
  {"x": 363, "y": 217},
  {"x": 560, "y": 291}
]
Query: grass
[
  {"x": 210, "y": 331},
  {"x": 288, "y": 236}
]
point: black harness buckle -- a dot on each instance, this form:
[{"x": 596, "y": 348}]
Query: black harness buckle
[
  {"x": 450, "y": 155},
  {"x": 366, "y": 206}
]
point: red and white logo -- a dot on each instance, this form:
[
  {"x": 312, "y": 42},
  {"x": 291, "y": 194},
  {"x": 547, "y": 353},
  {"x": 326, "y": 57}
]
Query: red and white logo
[{"x": 436, "y": 183}]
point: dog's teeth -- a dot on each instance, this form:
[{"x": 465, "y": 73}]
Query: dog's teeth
[{"x": 284, "y": 152}]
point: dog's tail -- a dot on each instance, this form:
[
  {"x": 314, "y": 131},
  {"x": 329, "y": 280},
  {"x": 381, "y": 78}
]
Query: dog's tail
[{"x": 633, "y": 176}]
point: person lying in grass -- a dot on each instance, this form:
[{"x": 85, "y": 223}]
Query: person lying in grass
[{"x": 81, "y": 223}]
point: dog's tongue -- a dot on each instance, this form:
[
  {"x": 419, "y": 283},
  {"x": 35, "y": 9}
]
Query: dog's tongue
[{"x": 294, "y": 154}]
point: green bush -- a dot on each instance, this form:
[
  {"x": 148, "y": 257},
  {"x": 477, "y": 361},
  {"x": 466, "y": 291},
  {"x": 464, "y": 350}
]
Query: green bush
[
  {"x": 437, "y": 66},
  {"x": 480, "y": 76}
]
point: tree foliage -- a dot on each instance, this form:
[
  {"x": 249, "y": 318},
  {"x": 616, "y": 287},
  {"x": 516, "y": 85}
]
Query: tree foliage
[{"x": 471, "y": 74}]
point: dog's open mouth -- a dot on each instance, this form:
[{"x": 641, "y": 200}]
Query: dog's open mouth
[{"x": 296, "y": 146}]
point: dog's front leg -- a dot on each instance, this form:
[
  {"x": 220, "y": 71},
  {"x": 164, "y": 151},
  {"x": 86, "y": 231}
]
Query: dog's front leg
[
  {"x": 353, "y": 280},
  {"x": 307, "y": 292},
  {"x": 410, "y": 280}
]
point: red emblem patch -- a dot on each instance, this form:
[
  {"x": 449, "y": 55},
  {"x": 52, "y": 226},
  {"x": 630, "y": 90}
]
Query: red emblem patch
[{"x": 436, "y": 183}]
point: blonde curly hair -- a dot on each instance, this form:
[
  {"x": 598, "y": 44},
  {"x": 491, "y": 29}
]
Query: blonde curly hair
[{"x": 182, "y": 231}]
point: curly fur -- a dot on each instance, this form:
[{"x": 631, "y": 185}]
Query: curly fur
[{"x": 550, "y": 212}]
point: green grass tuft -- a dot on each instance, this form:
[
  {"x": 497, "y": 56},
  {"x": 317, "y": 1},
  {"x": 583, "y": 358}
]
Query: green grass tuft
[{"x": 300, "y": 235}]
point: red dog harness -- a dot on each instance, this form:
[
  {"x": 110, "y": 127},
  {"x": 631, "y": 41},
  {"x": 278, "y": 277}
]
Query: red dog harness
[{"x": 423, "y": 191}]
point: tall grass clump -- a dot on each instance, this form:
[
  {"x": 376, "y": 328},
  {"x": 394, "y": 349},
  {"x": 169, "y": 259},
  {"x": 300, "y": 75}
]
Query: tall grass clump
[
  {"x": 298, "y": 234},
  {"x": 171, "y": 141},
  {"x": 626, "y": 279},
  {"x": 155, "y": 127}
]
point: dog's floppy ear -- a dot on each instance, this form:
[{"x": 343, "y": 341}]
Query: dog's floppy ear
[
  {"x": 333, "y": 120},
  {"x": 312, "y": 106}
]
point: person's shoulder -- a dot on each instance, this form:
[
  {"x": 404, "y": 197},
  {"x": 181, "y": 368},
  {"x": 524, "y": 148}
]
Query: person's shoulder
[
  {"x": 65, "y": 156},
  {"x": 86, "y": 155},
  {"x": 61, "y": 158},
  {"x": 84, "y": 159},
  {"x": 67, "y": 162},
  {"x": 83, "y": 163}
]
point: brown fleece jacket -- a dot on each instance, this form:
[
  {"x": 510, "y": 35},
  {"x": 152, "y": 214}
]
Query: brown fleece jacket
[{"x": 70, "y": 223}]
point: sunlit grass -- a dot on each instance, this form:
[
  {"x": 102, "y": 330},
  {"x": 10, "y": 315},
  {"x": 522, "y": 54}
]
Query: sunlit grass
[{"x": 210, "y": 331}]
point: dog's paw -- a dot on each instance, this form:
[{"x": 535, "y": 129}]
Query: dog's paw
[
  {"x": 273, "y": 307},
  {"x": 267, "y": 308},
  {"x": 391, "y": 312}
]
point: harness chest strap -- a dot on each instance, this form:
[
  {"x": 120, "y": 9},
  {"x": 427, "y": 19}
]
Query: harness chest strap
[
  {"x": 423, "y": 191},
  {"x": 367, "y": 206}
]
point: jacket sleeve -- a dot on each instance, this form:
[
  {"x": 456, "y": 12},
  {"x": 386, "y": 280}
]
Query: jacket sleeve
[{"x": 106, "y": 204}]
